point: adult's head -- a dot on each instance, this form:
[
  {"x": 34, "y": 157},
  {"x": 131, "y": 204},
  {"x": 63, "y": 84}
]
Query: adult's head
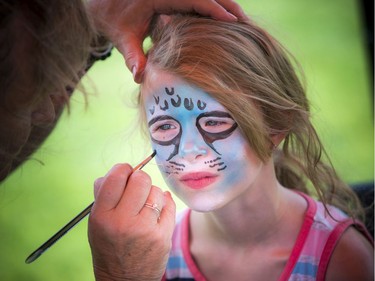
[{"x": 44, "y": 49}]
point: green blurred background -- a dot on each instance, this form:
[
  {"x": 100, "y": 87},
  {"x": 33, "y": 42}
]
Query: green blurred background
[{"x": 325, "y": 36}]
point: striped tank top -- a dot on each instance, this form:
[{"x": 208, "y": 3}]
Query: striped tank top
[{"x": 309, "y": 258}]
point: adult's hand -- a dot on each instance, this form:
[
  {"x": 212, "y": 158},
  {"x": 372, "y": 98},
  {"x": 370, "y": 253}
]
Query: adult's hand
[
  {"x": 128, "y": 240},
  {"x": 126, "y": 22}
]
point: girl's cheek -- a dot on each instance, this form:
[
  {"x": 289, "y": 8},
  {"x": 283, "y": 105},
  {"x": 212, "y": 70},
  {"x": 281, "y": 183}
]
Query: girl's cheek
[{"x": 162, "y": 152}]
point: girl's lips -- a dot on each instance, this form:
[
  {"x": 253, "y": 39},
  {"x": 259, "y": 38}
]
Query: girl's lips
[{"x": 198, "y": 180}]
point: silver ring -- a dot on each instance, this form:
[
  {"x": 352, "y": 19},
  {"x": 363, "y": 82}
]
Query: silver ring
[{"x": 153, "y": 206}]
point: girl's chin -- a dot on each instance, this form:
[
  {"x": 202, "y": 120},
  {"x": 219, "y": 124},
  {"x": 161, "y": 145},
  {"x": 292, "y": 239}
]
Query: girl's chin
[
  {"x": 203, "y": 204},
  {"x": 203, "y": 209}
]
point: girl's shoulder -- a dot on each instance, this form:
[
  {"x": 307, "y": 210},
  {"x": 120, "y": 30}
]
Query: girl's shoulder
[
  {"x": 342, "y": 245},
  {"x": 352, "y": 258}
]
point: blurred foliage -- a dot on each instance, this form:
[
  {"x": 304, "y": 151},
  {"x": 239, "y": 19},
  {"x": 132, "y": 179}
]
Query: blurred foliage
[{"x": 326, "y": 37}]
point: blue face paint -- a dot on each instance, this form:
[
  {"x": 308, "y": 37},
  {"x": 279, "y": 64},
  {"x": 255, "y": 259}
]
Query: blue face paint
[{"x": 200, "y": 151}]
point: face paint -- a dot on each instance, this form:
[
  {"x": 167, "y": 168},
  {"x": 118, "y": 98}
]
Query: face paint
[{"x": 201, "y": 153}]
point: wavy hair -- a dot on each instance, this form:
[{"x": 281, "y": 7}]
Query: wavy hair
[{"x": 255, "y": 78}]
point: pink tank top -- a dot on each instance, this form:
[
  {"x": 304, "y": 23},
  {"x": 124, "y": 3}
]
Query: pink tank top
[{"x": 309, "y": 259}]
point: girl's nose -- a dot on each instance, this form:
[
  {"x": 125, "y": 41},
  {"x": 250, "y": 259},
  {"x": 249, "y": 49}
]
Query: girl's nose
[
  {"x": 44, "y": 114},
  {"x": 192, "y": 146}
]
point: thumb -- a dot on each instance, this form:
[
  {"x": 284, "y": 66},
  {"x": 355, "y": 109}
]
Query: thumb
[
  {"x": 97, "y": 185},
  {"x": 131, "y": 49}
]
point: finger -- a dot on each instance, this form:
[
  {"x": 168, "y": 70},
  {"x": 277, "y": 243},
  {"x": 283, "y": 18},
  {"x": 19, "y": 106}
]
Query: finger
[
  {"x": 226, "y": 10},
  {"x": 136, "y": 193},
  {"x": 214, "y": 10},
  {"x": 112, "y": 187},
  {"x": 168, "y": 214},
  {"x": 233, "y": 8},
  {"x": 153, "y": 206},
  {"x": 131, "y": 48}
]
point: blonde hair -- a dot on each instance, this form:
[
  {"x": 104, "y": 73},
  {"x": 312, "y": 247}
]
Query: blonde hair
[{"x": 252, "y": 75}]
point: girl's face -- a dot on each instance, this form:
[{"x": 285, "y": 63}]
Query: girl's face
[{"x": 201, "y": 152}]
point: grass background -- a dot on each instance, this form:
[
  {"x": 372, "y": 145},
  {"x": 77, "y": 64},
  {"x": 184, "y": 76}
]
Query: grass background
[{"x": 37, "y": 200}]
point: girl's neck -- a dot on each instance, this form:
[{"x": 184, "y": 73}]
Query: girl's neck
[{"x": 257, "y": 216}]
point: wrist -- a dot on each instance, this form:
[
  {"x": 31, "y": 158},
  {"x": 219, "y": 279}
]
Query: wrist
[{"x": 101, "y": 275}]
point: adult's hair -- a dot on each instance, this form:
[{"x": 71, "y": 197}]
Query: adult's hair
[
  {"x": 61, "y": 35},
  {"x": 44, "y": 50},
  {"x": 252, "y": 75}
]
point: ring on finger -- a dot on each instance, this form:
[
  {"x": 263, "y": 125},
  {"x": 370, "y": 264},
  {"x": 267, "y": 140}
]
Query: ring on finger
[{"x": 154, "y": 207}]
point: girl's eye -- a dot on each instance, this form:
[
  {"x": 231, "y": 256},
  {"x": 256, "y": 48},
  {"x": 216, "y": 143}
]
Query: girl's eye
[
  {"x": 165, "y": 127},
  {"x": 164, "y": 130},
  {"x": 216, "y": 124}
]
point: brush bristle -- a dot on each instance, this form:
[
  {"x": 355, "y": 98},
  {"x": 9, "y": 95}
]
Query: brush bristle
[{"x": 153, "y": 154}]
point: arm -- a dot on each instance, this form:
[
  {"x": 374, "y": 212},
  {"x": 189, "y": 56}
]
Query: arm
[
  {"x": 126, "y": 22},
  {"x": 128, "y": 241},
  {"x": 352, "y": 259}
]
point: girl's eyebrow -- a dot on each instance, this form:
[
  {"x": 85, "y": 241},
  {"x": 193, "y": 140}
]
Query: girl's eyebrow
[
  {"x": 215, "y": 113},
  {"x": 160, "y": 118}
]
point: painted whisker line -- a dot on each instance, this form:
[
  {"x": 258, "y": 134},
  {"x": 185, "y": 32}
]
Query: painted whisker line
[
  {"x": 220, "y": 169},
  {"x": 217, "y": 164},
  {"x": 177, "y": 164},
  {"x": 171, "y": 173},
  {"x": 38, "y": 252},
  {"x": 174, "y": 168},
  {"x": 166, "y": 168},
  {"x": 212, "y": 161}
]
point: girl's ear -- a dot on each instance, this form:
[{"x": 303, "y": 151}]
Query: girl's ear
[
  {"x": 164, "y": 19},
  {"x": 276, "y": 139},
  {"x": 159, "y": 22}
]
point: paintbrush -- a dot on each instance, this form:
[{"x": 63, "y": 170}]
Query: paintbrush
[{"x": 38, "y": 252}]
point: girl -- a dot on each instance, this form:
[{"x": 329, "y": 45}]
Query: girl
[{"x": 230, "y": 122}]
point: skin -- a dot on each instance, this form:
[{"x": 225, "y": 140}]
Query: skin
[
  {"x": 128, "y": 241},
  {"x": 352, "y": 260}
]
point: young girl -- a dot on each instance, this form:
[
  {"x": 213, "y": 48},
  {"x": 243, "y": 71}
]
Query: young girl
[{"x": 229, "y": 120}]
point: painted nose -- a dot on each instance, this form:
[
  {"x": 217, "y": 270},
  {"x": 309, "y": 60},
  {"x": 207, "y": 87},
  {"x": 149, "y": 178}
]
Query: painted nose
[{"x": 192, "y": 146}]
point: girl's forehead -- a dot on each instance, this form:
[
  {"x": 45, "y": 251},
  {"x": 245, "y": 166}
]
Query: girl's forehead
[
  {"x": 179, "y": 98},
  {"x": 175, "y": 89},
  {"x": 165, "y": 93}
]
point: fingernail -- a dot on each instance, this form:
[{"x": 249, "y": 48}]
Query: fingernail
[
  {"x": 232, "y": 17},
  {"x": 137, "y": 76},
  {"x": 168, "y": 194},
  {"x": 134, "y": 71}
]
